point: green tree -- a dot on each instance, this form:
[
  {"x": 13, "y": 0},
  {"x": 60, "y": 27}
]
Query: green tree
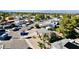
[
  {"x": 41, "y": 45},
  {"x": 67, "y": 25},
  {"x": 47, "y": 39},
  {"x": 44, "y": 40},
  {"x": 39, "y": 17},
  {"x": 54, "y": 37}
]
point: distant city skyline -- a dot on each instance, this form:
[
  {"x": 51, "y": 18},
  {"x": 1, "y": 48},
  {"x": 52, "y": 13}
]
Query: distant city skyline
[{"x": 43, "y": 11}]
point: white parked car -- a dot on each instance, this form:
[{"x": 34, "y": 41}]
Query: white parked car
[{"x": 48, "y": 27}]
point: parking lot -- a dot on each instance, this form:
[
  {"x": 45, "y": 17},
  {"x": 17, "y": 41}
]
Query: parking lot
[{"x": 32, "y": 32}]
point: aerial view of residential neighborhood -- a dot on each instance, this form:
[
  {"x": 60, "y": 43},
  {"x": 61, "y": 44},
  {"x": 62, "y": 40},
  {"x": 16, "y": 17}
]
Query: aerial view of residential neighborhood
[{"x": 39, "y": 30}]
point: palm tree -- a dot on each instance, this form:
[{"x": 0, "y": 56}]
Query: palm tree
[
  {"x": 44, "y": 40},
  {"x": 41, "y": 45}
]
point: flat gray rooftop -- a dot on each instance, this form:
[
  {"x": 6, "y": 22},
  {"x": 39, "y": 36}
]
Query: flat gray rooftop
[
  {"x": 15, "y": 44},
  {"x": 60, "y": 44}
]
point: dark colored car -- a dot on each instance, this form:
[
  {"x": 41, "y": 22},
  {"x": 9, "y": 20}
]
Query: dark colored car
[
  {"x": 9, "y": 26},
  {"x": 5, "y": 37},
  {"x": 2, "y": 31},
  {"x": 16, "y": 29},
  {"x": 24, "y": 33}
]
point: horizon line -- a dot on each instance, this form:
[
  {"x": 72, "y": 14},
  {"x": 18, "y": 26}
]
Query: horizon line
[{"x": 43, "y": 11}]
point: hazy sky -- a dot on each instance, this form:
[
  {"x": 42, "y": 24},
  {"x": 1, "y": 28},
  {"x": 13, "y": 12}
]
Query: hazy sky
[{"x": 43, "y": 11}]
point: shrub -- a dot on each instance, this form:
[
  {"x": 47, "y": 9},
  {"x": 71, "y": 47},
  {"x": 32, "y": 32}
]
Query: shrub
[
  {"x": 37, "y": 26},
  {"x": 54, "y": 37}
]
